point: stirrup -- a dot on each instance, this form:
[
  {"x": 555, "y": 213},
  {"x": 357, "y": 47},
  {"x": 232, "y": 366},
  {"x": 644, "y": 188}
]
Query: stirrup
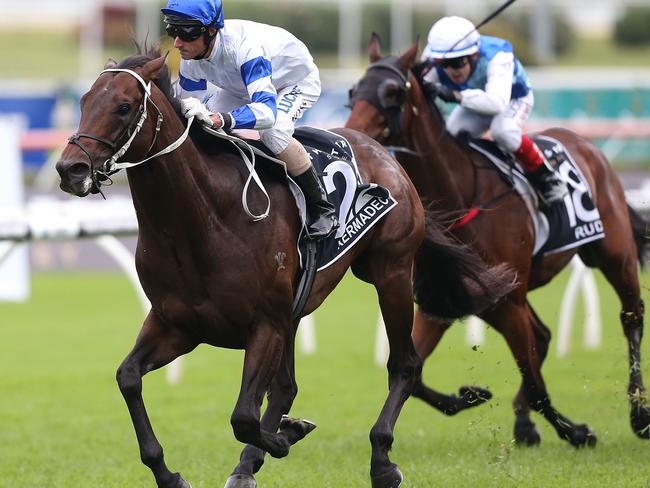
[
  {"x": 319, "y": 229},
  {"x": 553, "y": 189}
]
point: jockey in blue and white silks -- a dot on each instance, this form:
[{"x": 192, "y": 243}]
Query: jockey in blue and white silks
[
  {"x": 241, "y": 64},
  {"x": 482, "y": 75},
  {"x": 238, "y": 74}
]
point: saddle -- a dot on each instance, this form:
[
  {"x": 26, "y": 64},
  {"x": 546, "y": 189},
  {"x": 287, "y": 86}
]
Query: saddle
[
  {"x": 570, "y": 224},
  {"x": 359, "y": 205}
]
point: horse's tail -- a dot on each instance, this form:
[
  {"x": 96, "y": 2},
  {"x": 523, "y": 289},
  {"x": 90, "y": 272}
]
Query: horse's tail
[
  {"x": 641, "y": 231},
  {"x": 451, "y": 280}
]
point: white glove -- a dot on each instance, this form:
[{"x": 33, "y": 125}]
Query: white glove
[{"x": 192, "y": 107}]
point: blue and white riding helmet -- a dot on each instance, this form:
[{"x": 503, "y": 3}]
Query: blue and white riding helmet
[
  {"x": 452, "y": 37},
  {"x": 208, "y": 12}
]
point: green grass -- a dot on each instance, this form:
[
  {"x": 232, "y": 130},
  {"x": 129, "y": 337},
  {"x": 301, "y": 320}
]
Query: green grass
[{"x": 63, "y": 422}]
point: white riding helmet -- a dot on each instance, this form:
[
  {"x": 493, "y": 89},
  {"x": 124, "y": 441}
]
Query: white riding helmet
[{"x": 452, "y": 37}]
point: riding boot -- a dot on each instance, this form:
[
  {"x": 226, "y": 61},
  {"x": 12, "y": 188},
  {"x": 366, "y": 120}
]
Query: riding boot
[
  {"x": 322, "y": 213},
  {"x": 550, "y": 188}
]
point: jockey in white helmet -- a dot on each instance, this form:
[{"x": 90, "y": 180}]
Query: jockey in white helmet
[
  {"x": 490, "y": 86},
  {"x": 238, "y": 74}
]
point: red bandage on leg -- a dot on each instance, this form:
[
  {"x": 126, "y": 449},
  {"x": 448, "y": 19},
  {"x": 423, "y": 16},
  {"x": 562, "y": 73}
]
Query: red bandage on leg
[{"x": 529, "y": 154}]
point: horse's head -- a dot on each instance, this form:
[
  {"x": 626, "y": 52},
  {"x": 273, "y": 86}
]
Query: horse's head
[
  {"x": 113, "y": 112},
  {"x": 378, "y": 101}
]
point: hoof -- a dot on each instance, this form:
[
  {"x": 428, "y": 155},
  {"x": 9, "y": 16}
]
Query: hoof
[
  {"x": 526, "y": 433},
  {"x": 295, "y": 429},
  {"x": 390, "y": 479},
  {"x": 473, "y": 396},
  {"x": 583, "y": 436},
  {"x": 640, "y": 421},
  {"x": 241, "y": 481}
]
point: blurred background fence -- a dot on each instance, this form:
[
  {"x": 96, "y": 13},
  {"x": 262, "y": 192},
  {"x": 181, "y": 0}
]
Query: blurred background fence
[{"x": 588, "y": 63}]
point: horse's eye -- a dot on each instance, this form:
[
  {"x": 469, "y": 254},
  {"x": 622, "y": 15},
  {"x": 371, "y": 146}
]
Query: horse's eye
[
  {"x": 123, "y": 109},
  {"x": 351, "y": 94}
]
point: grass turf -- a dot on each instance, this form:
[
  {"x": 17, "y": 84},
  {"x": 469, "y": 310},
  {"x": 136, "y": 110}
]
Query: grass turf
[{"x": 63, "y": 422}]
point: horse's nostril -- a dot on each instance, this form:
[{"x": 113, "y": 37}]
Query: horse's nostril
[{"x": 78, "y": 171}]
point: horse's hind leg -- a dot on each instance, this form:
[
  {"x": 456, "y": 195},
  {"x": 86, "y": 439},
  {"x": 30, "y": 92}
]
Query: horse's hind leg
[
  {"x": 621, "y": 271},
  {"x": 282, "y": 392},
  {"x": 156, "y": 346},
  {"x": 426, "y": 336},
  {"x": 525, "y": 430},
  {"x": 404, "y": 370}
]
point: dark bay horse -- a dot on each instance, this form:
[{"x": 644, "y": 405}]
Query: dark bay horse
[
  {"x": 215, "y": 276},
  {"x": 390, "y": 105}
]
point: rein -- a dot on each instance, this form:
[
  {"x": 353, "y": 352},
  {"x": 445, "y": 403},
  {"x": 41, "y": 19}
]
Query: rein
[{"x": 250, "y": 165}]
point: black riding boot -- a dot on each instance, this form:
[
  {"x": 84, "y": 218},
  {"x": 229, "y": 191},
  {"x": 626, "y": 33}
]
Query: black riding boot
[
  {"x": 321, "y": 212},
  {"x": 550, "y": 187}
]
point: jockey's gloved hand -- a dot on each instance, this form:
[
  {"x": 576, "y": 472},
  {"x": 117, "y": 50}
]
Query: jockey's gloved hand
[
  {"x": 192, "y": 107},
  {"x": 447, "y": 94}
]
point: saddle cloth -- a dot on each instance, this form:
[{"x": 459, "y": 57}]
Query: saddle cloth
[
  {"x": 359, "y": 205},
  {"x": 559, "y": 227}
]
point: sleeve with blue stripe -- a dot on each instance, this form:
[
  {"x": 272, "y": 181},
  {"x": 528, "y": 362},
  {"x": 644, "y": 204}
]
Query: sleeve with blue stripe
[
  {"x": 189, "y": 87},
  {"x": 261, "y": 112}
]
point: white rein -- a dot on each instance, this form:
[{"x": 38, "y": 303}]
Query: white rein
[{"x": 112, "y": 165}]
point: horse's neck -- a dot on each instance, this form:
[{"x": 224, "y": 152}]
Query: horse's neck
[
  {"x": 164, "y": 187},
  {"x": 443, "y": 171}
]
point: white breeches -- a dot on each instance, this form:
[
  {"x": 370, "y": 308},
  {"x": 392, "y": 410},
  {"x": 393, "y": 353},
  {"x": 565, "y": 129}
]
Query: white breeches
[
  {"x": 506, "y": 128},
  {"x": 292, "y": 102}
]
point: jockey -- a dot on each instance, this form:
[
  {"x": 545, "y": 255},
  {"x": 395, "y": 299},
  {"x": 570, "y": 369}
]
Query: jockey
[
  {"x": 238, "y": 74},
  {"x": 490, "y": 86}
]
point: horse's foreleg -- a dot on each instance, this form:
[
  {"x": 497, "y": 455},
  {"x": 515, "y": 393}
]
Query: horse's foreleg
[
  {"x": 282, "y": 392},
  {"x": 525, "y": 430},
  {"x": 404, "y": 372},
  {"x": 426, "y": 336},
  {"x": 156, "y": 346},
  {"x": 516, "y": 324},
  {"x": 261, "y": 363}
]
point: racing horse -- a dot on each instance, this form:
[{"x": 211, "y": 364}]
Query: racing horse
[
  {"x": 215, "y": 276},
  {"x": 391, "y": 104}
]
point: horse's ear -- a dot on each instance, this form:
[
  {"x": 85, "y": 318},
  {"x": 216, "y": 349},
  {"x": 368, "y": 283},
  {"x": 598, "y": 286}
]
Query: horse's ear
[
  {"x": 407, "y": 60},
  {"x": 374, "y": 48},
  {"x": 151, "y": 70},
  {"x": 110, "y": 64}
]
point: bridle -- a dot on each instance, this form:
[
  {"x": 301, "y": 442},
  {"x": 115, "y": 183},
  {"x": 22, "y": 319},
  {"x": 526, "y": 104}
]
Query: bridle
[
  {"x": 394, "y": 115},
  {"x": 111, "y": 166}
]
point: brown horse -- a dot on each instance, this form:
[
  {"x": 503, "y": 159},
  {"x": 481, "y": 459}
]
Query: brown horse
[
  {"x": 215, "y": 276},
  {"x": 390, "y": 105}
]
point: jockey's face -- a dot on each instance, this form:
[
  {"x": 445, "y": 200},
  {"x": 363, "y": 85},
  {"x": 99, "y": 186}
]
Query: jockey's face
[
  {"x": 191, "y": 49},
  {"x": 458, "y": 69}
]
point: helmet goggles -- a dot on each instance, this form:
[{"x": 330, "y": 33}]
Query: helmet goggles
[
  {"x": 187, "y": 33},
  {"x": 455, "y": 63}
]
